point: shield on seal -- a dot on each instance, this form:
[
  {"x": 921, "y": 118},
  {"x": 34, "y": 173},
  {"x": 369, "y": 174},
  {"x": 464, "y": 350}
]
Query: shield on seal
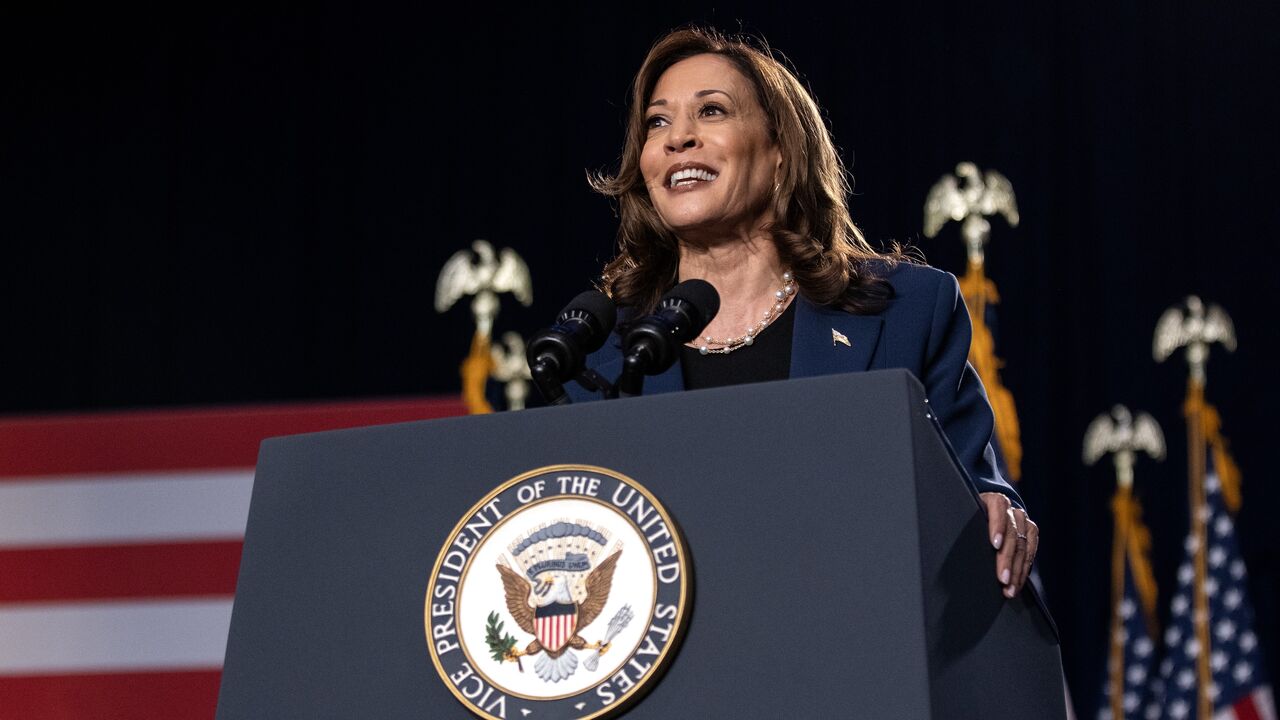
[{"x": 555, "y": 624}]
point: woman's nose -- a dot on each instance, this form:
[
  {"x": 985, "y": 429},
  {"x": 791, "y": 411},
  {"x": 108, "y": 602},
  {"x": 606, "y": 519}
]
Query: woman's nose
[{"x": 683, "y": 136}]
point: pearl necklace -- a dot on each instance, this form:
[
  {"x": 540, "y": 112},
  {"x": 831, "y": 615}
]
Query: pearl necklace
[{"x": 728, "y": 345}]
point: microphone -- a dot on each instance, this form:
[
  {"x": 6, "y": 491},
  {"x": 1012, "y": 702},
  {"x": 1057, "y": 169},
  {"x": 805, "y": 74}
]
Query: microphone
[
  {"x": 652, "y": 343},
  {"x": 558, "y": 354}
]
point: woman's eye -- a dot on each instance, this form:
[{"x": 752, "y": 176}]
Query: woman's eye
[{"x": 711, "y": 109}]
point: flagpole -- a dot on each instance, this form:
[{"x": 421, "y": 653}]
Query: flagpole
[
  {"x": 968, "y": 197},
  {"x": 1198, "y": 504},
  {"x": 1119, "y": 543},
  {"x": 1195, "y": 327},
  {"x": 475, "y": 371},
  {"x": 978, "y": 292},
  {"x": 1123, "y": 436}
]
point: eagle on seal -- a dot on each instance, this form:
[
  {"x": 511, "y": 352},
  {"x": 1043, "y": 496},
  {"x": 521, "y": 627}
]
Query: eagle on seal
[{"x": 546, "y": 609}]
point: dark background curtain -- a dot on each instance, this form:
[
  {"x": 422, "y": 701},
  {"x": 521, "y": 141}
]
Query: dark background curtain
[{"x": 205, "y": 205}]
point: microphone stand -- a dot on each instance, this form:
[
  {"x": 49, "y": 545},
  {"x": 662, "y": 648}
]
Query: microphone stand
[
  {"x": 544, "y": 377},
  {"x": 593, "y": 381},
  {"x": 631, "y": 382}
]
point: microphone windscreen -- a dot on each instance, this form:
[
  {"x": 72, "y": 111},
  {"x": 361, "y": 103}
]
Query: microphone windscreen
[
  {"x": 701, "y": 295},
  {"x": 588, "y": 318},
  {"x": 595, "y": 304}
]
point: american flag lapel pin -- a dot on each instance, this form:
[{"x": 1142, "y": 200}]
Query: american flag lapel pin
[{"x": 838, "y": 337}]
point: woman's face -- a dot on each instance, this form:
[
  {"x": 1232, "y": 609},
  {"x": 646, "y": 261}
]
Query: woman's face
[{"x": 708, "y": 161}]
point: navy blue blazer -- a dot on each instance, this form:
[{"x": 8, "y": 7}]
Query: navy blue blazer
[{"x": 925, "y": 328}]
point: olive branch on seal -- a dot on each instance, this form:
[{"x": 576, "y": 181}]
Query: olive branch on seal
[{"x": 500, "y": 645}]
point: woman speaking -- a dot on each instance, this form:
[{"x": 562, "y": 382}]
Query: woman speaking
[{"x": 729, "y": 175}]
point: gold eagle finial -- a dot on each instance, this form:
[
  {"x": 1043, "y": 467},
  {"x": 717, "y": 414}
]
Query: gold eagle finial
[{"x": 969, "y": 197}]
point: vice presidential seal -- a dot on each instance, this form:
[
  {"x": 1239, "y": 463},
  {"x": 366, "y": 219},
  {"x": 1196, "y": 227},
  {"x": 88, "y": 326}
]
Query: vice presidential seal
[{"x": 561, "y": 594}]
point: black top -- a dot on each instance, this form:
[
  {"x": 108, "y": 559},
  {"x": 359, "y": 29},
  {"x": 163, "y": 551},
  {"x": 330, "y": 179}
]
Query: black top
[{"x": 768, "y": 358}]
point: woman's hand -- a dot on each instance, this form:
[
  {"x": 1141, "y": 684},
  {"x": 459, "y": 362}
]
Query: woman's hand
[{"x": 1015, "y": 538}]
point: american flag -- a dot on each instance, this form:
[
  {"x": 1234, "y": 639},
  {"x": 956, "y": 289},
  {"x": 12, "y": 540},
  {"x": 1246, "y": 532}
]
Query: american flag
[
  {"x": 120, "y": 542},
  {"x": 1239, "y": 689},
  {"x": 1137, "y": 656}
]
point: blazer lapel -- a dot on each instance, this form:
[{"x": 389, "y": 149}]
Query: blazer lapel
[{"x": 818, "y": 344}]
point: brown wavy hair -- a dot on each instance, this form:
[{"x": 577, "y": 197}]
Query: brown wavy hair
[{"x": 814, "y": 233}]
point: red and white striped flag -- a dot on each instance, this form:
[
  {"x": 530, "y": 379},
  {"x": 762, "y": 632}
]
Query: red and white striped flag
[{"x": 120, "y": 541}]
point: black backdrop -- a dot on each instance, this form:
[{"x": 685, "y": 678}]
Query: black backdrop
[{"x": 211, "y": 205}]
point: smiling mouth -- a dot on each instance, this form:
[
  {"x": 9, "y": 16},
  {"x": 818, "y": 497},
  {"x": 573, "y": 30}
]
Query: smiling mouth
[{"x": 690, "y": 177}]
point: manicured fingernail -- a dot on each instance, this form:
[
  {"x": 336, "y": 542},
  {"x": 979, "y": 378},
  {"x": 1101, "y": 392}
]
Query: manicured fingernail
[
  {"x": 1004, "y": 576},
  {"x": 1009, "y": 592},
  {"x": 997, "y": 540}
]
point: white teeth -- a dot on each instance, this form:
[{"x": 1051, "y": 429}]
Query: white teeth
[{"x": 692, "y": 174}]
